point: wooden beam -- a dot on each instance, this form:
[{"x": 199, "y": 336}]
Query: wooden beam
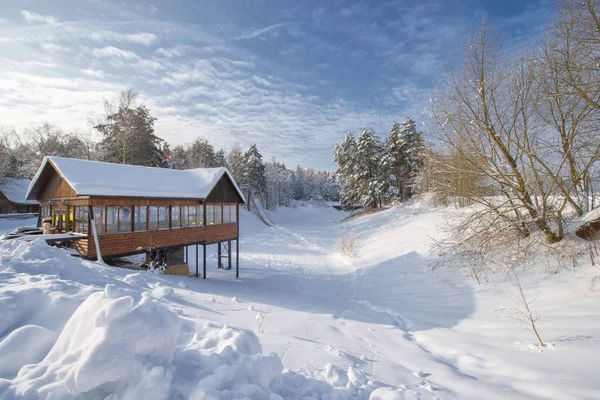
[
  {"x": 204, "y": 262},
  {"x": 229, "y": 254},
  {"x": 196, "y": 260},
  {"x": 219, "y": 255}
]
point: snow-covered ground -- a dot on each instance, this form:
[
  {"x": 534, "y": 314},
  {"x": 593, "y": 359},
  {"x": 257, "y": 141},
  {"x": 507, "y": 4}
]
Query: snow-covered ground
[{"x": 303, "y": 321}]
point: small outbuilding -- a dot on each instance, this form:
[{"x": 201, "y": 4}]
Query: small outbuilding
[
  {"x": 119, "y": 210},
  {"x": 13, "y": 194}
]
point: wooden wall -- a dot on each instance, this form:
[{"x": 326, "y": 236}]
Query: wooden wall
[
  {"x": 224, "y": 192},
  {"x": 56, "y": 188},
  {"x": 139, "y": 242}
]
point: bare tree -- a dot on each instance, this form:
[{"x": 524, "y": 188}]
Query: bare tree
[
  {"x": 524, "y": 312},
  {"x": 488, "y": 116}
]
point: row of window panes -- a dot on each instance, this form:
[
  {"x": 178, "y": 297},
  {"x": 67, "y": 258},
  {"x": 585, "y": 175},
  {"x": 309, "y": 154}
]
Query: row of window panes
[
  {"x": 45, "y": 210},
  {"x": 80, "y": 220},
  {"x": 119, "y": 218}
]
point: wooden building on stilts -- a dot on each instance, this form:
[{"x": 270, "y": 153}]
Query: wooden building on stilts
[{"x": 115, "y": 210}]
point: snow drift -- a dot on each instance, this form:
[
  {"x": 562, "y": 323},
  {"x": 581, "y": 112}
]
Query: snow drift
[
  {"x": 114, "y": 347},
  {"x": 65, "y": 336}
]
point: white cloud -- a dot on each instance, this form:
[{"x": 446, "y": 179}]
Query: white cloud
[
  {"x": 96, "y": 73},
  {"x": 114, "y": 52},
  {"x": 54, "y": 48},
  {"x": 143, "y": 38},
  {"x": 177, "y": 51},
  {"x": 259, "y": 32},
  {"x": 3, "y": 21},
  {"x": 35, "y": 18}
]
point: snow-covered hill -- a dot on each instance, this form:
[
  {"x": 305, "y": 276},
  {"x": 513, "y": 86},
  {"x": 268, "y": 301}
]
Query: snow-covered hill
[{"x": 302, "y": 322}]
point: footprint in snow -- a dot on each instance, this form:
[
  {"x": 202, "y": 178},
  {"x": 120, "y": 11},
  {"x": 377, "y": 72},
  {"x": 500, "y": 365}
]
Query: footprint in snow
[{"x": 421, "y": 374}]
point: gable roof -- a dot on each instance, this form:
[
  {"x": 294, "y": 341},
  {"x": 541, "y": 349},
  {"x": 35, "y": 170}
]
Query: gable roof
[
  {"x": 15, "y": 190},
  {"x": 95, "y": 178}
]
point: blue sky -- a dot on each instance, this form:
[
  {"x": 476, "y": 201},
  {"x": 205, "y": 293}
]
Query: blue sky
[{"x": 291, "y": 76}]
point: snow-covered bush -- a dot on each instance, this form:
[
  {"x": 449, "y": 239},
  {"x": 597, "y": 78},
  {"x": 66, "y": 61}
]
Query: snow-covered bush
[{"x": 347, "y": 244}]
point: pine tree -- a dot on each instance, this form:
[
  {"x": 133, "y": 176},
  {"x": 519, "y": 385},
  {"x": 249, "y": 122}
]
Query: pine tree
[
  {"x": 395, "y": 162},
  {"x": 253, "y": 177},
  {"x": 235, "y": 163},
  {"x": 370, "y": 170},
  {"x": 412, "y": 149},
  {"x": 344, "y": 154},
  {"x": 128, "y": 136},
  {"x": 220, "y": 160}
]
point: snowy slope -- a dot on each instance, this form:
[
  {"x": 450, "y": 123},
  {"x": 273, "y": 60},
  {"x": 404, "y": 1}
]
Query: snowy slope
[{"x": 332, "y": 322}]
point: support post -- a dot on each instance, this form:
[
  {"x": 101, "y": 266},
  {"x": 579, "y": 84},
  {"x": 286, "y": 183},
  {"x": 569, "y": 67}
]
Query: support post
[
  {"x": 219, "y": 265},
  {"x": 229, "y": 254},
  {"x": 204, "y": 261},
  {"x": 95, "y": 232},
  {"x": 196, "y": 260},
  {"x": 237, "y": 258}
]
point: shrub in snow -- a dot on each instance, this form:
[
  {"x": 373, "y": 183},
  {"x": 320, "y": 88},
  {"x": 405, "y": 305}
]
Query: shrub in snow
[{"x": 347, "y": 244}]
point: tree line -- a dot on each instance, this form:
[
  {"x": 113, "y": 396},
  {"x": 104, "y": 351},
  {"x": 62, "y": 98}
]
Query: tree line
[
  {"x": 374, "y": 172},
  {"x": 128, "y": 137}
]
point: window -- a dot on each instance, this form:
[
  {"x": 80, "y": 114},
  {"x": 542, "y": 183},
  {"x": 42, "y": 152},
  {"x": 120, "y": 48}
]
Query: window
[
  {"x": 45, "y": 211},
  {"x": 233, "y": 213},
  {"x": 163, "y": 217},
  {"x": 112, "y": 217},
  {"x": 200, "y": 211},
  {"x": 218, "y": 214},
  {"x": 175, "y": 217},
  {"x": 139, "y": 219},
  {"x": 124, "y": 219},
  {"x": 100, "y": 217},
  {"x": 184, "y": 217},
  {"x": 152, "y": 218},
  {"x": 210, "y": 215},
  {"x": 226, "y": 214},
  {"x": 81, "y": 219},
  {"x": 193, "y": 215}
]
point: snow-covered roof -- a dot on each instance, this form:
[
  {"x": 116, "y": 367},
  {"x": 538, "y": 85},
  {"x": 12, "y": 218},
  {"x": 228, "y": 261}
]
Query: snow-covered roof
[
  {"x": 15, "y": 190},
  {"x": 95, "y": 178}
]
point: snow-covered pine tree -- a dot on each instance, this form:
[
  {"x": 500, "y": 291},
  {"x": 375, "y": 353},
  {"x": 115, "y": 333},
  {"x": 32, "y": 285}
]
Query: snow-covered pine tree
[
  {"x": 128, "y": 137},
  {"x": 412, "y": 149},
  {"x": 235, "y": 162},
  {"x": 345, "y": 155},
  {"x": 201, "y": 154},
  {"x": 220, "y": 160},
  {"x": 370, "y": 172},
  {"x": 253, "y": 177},
  {"x": 395, "y": 162}
]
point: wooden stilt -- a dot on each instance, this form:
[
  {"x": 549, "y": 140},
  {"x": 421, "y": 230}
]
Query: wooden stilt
[
  {"x": 237, "y": 258},
  {"x": 219, "y": 265},
  {"x": 229, "y": 254},
  {"x": 196, "y": 260},
  {"x": 204, "y": 262}
]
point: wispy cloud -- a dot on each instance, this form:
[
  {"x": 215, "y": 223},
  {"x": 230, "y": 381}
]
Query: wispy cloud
[
  {"x": 35, "y": 18},
  {"x": 96, "y": 73},
  {"x": 54, "y": 48},
  {"x": 292, "y": 88},
  {"x": 114, "y": 52},
  {"x": 143, "y": 38},
  {"x": 260, "y": 32},
  {"x": 3, "y": 21}
]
